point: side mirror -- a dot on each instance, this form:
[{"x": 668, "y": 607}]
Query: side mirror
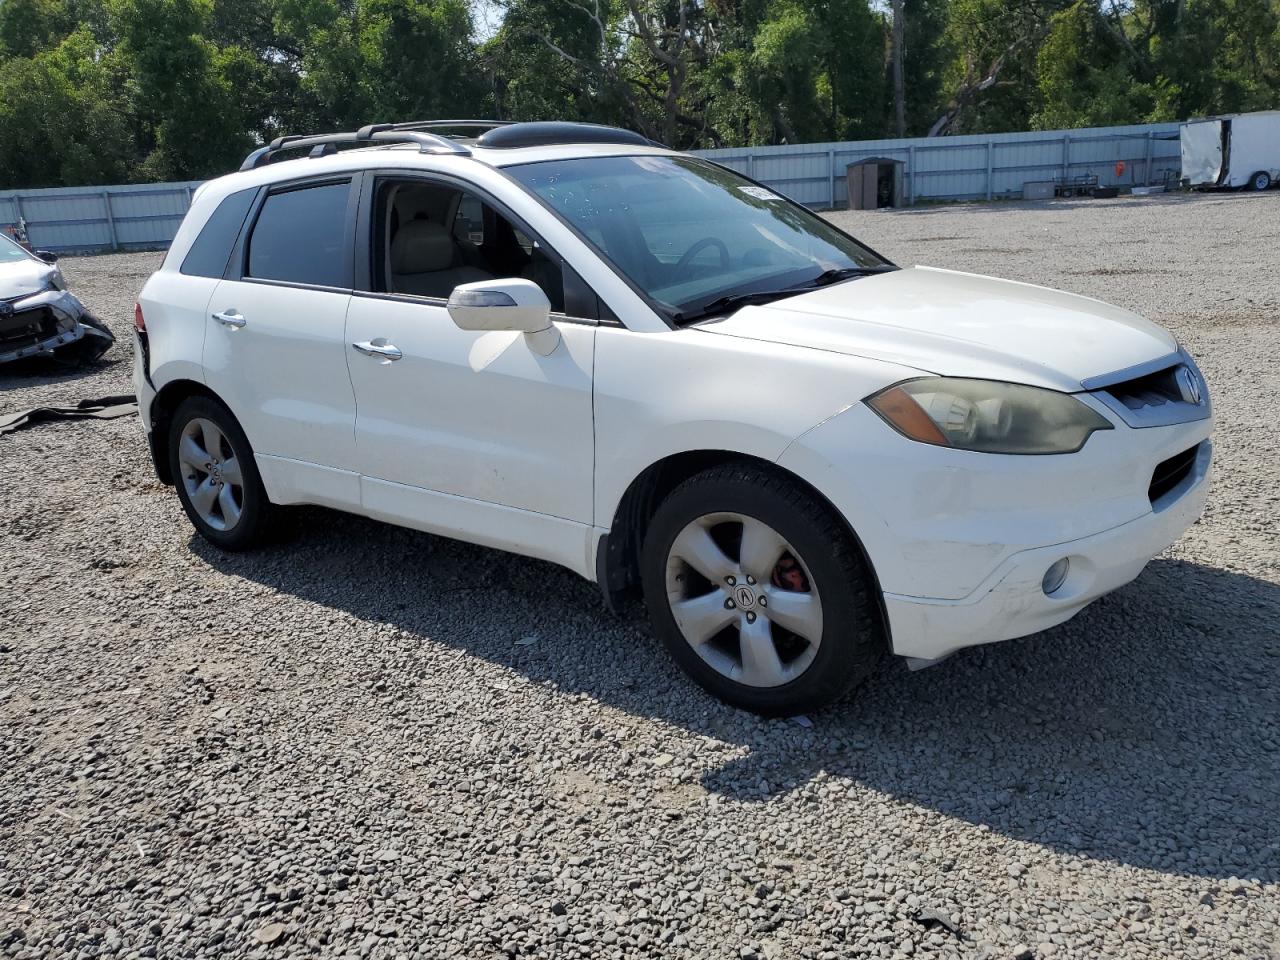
[
  {"x": 48, "y": 256},
  {"x": 511, "y": 304}
]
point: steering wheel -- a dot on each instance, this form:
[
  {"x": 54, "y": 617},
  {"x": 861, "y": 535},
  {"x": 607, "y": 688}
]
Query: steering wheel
[{"x": 683, "y": 263}]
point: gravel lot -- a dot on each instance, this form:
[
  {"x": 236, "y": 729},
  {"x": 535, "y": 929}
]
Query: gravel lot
[{"x": 370, "y": 742}]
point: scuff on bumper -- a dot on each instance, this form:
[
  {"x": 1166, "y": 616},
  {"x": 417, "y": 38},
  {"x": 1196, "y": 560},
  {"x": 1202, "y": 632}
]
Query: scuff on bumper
[{"x": 1011, "y": 602}]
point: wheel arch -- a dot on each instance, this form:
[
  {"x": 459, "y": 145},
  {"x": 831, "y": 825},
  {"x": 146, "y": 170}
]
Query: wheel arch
[
  {"x": 162, "y": 409},
  {"x": 618, "y": 551}
]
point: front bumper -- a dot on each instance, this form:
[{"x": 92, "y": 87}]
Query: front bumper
[
  {"x": 39, "y": 324},
  {"x": 50, "y": 323},
  {"x": 960, "y": 542},
  {"x": 1011, "y": 602}
]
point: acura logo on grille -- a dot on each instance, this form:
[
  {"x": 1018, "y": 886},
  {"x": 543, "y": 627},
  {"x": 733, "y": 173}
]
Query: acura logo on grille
[
  {"x": 6, "y": 309},
  {"x": 1188, "y": 385}
]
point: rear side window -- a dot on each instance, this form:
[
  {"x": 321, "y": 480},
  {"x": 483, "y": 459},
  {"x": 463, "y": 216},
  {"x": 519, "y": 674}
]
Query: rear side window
[
  {"x": 300, "y": 236},
  {"x": 209, "y": 254}
]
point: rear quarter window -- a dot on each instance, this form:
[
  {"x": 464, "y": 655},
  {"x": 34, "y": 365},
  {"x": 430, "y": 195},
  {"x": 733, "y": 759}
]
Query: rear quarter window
[{"x": 208, "y": 256}]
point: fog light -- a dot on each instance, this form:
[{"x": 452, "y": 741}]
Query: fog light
[{"x": 1055, "y": 576}]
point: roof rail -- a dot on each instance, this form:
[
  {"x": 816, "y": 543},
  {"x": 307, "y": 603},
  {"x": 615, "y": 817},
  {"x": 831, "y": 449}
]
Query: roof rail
[
  {"x": 452, "y": 124},
  {"x": 543, "y": 133},
  {"x": 381, "y": 133},
  {"x": 496, "y": 135}
]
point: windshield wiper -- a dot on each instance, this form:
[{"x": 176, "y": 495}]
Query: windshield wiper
[
  {"x": 733, "y": 301},
  {"x": 844, "y": 273},
  {"x": 729, "y": 302}
]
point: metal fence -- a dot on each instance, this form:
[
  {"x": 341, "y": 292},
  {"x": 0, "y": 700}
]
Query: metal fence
[
  {"x": 979, "y": 167},
  {"x": 129, "y": 217}
]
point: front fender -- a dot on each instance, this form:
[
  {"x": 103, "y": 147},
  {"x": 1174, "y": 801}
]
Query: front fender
[{"x": 662, "y": 394}]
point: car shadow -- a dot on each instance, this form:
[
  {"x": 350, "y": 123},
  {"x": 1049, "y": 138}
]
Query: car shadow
[
  {"x": 44, "y": 371},
  {"x": 1144, "y": 731}
]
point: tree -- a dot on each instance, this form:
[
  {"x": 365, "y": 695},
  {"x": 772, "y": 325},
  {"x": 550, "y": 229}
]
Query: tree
[
  {"x": 108, "y": 90},
  {"x": 382, "y": 60},
  {"x": 633, "y": 58},
  {"x": 64, "y": 117},
  {"x": 991, "y": 74},
  {"x": 899, "y": 82}
]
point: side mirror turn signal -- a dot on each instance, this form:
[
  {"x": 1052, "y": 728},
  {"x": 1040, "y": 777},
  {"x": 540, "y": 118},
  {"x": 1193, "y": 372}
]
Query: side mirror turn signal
[{"x": 512, "y": 304}]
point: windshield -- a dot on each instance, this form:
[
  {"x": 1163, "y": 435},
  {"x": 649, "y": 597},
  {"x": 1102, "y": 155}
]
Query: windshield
[
  {"x": 10, "y": 251},
  {"x": 691, "y": 234}
]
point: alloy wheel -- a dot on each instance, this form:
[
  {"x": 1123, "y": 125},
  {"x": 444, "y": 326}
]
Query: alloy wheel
[
  {"x": 211, "y": 474},
  {"x": 744, "y": 599}
]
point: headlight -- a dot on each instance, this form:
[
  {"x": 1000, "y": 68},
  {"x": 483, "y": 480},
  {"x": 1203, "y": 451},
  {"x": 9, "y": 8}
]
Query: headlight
[{"x": 987, "y": 416}]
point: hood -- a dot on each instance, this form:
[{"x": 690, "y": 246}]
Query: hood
[
  {"x": 24, "y": 276},
  {"x": 960, "y": 324}
]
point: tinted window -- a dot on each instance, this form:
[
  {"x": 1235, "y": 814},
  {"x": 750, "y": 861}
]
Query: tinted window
[
  {"x": 468, "y": 223},
  {"x": 208, "y": 255},
  {"x": 300, "y": 236}
]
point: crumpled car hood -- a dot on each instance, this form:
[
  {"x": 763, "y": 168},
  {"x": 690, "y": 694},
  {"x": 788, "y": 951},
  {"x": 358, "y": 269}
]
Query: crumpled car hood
[
  {"x": 960, "y": 324},
  {"x": 24, "y": 276}
]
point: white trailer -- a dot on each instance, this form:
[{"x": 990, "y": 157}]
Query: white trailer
[{"x": 1237, "y": 150}]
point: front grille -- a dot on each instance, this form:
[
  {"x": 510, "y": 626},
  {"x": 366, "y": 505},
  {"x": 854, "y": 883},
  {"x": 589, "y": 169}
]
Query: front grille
[
  {"x": 1169, "y": 473},
  {"x": 1153, "y": 390},
  {"x": 26, "y": 328}
]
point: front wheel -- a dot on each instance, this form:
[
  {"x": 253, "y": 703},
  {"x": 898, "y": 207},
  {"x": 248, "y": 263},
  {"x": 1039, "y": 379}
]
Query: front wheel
[
  {"x": 1260, "y": 180},
  {"x": 759, "y": 593}
]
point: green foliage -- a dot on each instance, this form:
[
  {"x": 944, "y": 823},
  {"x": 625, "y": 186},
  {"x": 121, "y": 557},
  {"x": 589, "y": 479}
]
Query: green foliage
[
  {"x": 1081, "y": 77},
  {"x": 64, "y": 116},
  {"x": 102, "y": 91}
]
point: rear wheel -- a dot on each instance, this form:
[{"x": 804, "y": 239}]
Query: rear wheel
[
  {"x": 215, "y": 474},
  {"x": 758, "y": 592},
  {"x": 1260, "y": 180}
]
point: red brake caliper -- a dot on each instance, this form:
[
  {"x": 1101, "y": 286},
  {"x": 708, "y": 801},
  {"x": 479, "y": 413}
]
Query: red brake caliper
[{"x": 789, "y": 576}]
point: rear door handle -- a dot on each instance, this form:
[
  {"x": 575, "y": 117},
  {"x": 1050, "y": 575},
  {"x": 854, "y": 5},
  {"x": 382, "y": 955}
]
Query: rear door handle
[
  {"x": 378, "y": 348},
  {"x": 230, "y": 318}
]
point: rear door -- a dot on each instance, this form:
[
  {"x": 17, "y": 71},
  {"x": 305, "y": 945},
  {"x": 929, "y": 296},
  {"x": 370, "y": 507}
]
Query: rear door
[
  {"x": 274, "y": 345},
  {"x": 1202, "y": 145}
]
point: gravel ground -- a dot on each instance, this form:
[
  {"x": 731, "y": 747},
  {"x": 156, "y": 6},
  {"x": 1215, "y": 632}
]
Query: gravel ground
[{"x": 366, "y": 741}]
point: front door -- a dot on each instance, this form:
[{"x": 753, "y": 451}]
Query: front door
[{"x": 473, "y": 434}]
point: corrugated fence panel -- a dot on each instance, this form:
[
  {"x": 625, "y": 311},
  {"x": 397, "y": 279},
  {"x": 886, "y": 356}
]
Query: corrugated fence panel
[
  {"x": 149, "y": 217},
  {"x": 124, "y": 217},
  {"x": 146, "y": 216},
  {"x": 967, "y": 167}
]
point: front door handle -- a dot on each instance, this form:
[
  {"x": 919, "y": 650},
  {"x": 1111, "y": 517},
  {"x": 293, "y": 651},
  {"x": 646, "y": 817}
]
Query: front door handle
[
  {"x": 230, "y": 318},
  {"x": 379, "y": 348}
]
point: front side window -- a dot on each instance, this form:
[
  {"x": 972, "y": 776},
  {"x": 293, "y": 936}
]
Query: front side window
[
  {"x": 431, "y": 237},
  {"x": 689, "y": 233},
  {"x": 300, "y": 236}
]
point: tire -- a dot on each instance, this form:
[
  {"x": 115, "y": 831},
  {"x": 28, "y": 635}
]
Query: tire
[
  {"x": 230, "y": 515},
  {"x": 1260, "y": 181},
  {"x": 734, "y": 662}
]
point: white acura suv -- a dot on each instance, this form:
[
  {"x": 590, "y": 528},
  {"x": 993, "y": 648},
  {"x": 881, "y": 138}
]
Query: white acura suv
[{"x": 564, "y": 341}]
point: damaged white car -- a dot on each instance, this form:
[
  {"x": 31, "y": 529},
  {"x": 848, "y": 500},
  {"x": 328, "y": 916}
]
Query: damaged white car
[{"x": 39, "y": 317}]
